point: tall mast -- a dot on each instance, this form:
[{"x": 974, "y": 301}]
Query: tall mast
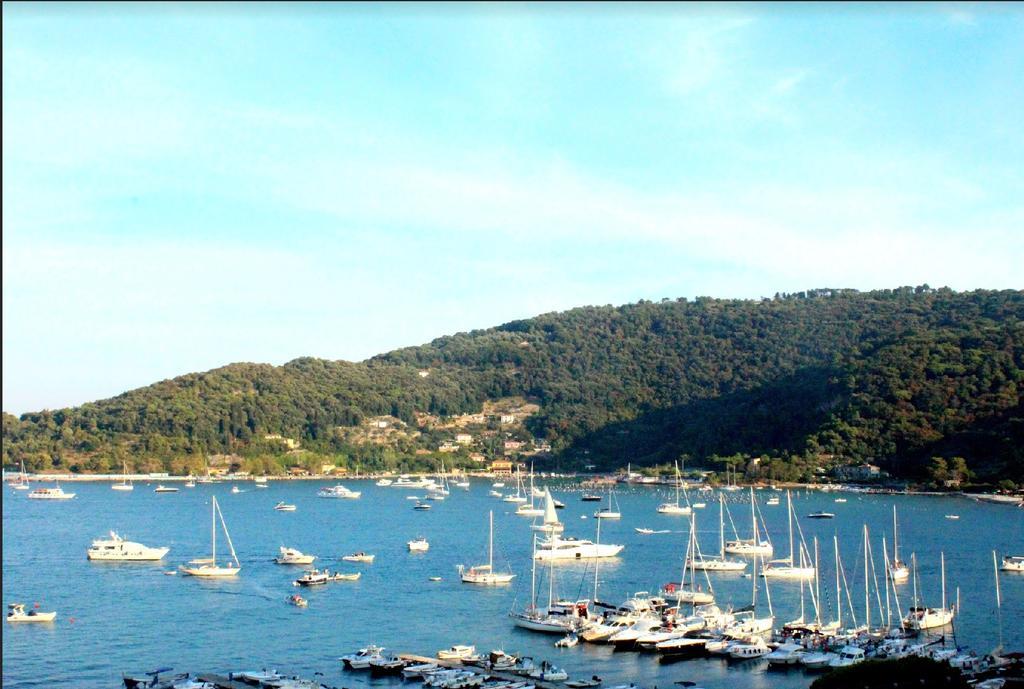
[
  {"x": 817, "y": 583},
  {"x": 753, "y": 517},
  {"x": 999, "y": 599},
  {"x": 888, "y": 609},
  {"x": 227, "y": 535},
  {"x": 913, "y": 563},
  {"x": 789, "y": 504},
  {"x": 490, "y": 543},
  {"x": 867, "y": 601},
  {"x": 213, "y": 527},
  {"x": 533, "y": 576},
  {"x": 677, "y": 484},
  {"x": 597, "y": 562},
  {"x": 721, "y": 526},
  {"x": 839, "y": 593}
]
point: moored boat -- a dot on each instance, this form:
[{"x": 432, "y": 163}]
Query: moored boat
[
  {"x": 16, "y": 613},
  {"x": 117, "y": 549},
  {"x": 50, "y": 494}
]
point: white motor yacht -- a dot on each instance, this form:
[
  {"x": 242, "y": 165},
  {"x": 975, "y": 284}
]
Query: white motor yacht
[
  {"x": 284, "y": 507},
  {"x": 161, "y": 488},
  {"x": 569, "y": 548},
  {"x": 786, "y": 654},
  {"x": 338, "y": 491},
  {"x": 50, "y": 494},
  {"x": 1013, "y": 563},
  {"x": 456, "y": 653},
  {"x": 291, "y": 556},
  {"x": 117, "y": 549},
  {"x": 359, "y": 557},
  {"x": 848, "y": 655},
  {"x": 755, "y": 648},
  {"x": 384, "y": 482},
  {"x": 360, "y": 660}
]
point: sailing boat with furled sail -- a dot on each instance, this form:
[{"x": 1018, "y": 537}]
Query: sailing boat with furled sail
[
  {"x": 485, "y": 574},
  {"x": 125, "y": 483},
  {"x": 898, "y": 570},
  {"x": 207, "y": 567}
]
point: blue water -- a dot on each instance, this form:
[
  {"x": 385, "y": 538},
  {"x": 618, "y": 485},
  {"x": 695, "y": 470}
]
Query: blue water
[{"x": 116, "y": 618}]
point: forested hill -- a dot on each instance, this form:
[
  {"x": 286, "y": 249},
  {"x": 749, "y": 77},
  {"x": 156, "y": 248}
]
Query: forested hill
[{"x": 897, "y": 377}]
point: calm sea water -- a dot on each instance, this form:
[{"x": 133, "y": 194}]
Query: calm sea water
[{"x": 131, "y": 617}]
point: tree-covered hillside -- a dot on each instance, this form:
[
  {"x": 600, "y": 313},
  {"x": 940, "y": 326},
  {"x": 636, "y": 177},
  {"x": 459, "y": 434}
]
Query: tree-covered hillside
[{"x": 897, "y": 377}]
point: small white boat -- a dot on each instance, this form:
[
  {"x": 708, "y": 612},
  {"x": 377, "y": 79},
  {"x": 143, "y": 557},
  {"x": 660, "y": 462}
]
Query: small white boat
[
  {"x": 384, "y": 482},
  {"x": 821, "y": 515},
  {"x": 699, "y": 505},
  {"x": 360, "y": 660},
  {"x": 359, "y": 557},
  {"x": 462, "y": 484},
  {"x": 647, "y": 532},
  {"x": 291, "y": 556},
  {"x": 840, "y": 500},
  {"x": 315, "y": 577},
  {"x": 418, "y": 545},
  {"x": 848, "y": 655},
  {"x": 1013, "y": 563},
  {"x": 236, "y": 489},
  {"x": 16, "y": 613},
  {"x": 495, "y": 493},
  {"x": 20, "y": 483},
  {"x": 284, "y": 507},
  {"x": 772, "y": 501},
  {"x": 338, "y": 491},
  {"x": 161, "y": 488},
  {"x": 498, "y": 484},
  {"x": 422, "y": 506},
  {"x": 50, "y": 494},
  {"x": 952, "y": 516},
  {"x": 117, "y": 549},
  {"x": 568, "y": 641},
  {"x": 456, "y": 653},
  {"x": 298, "y": 601},
  {"x": 190, "y": 483}
]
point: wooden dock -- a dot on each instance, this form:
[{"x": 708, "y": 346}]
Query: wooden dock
[{"x": 497, "y": 674}]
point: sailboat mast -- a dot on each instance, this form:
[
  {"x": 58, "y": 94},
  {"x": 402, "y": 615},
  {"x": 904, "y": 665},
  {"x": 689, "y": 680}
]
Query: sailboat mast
[
  {"x": 942, "y": 567},
  {"x": 490, "y": 542},
  {"x": 213, "y": 528},
  {"x": 817, "y": 583},
  {"x": 533, "y": 576},
  {"x": 895, "y": 539},
  {"x": 753, "y": 517},
  {"x": 789, "y": 504},
  {"x": 913, "y": 563},
  {"x": 721, "y": 526},
  {"x": 888, "y": 609},
  {"x": 839, "y": 593},
  {"x": 999, "y": 599},
  {"x": 227, "y": 535},
  {"x": 867, "y": 598},
  {"x": 597, "y": 562}
]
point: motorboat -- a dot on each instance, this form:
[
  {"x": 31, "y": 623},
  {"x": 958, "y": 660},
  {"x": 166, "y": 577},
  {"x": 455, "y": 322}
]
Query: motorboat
[
  {"x": 462, "y": 484},
  {"x": 316, "y": 577},
  {"x": 498, "y": 484},
  {"x": 260, "y": 480},
  {"x": 117, "y": 549},
  {"x": 569, "y": 548},
  {"x": 359, "y": 557},
  {"x": 161, "y": 488},
  {"x": 568, "y": 641},
  {"x": 682, "y": 646},
  {"x": 422, "y": 506},
  {"x": 456, "y": 653},
  {"x": 384, "y": 482},
  {"x": 772, "y": 501},
  {"x": 16, "y": 613},
  {"x": 291, "y": 556},
  {"x": 407, "y": 482},
  {"x": 548, "y": 673},
  {"x": 495, "y": 493},
  {"x": 755, "y": 648},
  {"x": 848, "y": 655},
  {"x": 284, "y": 507},
  {"x": 418, "y": 545},
  {"x": 817, "y": 660},
  {"x": 644, "y": 531},
  {"x": 821, "y": 515},
  {"x": 787, "y": 654},
  {"x": 298, "y": 601},
  {"x": 236, "y": 490},
  {"x": 590, "y": 497},
  {"x": 360, "y": 660},
  {"x": 485, "y": 574},
  {"x": 419, "y": 670},
  {"x": 208, "y": 567},
  {"x": 338, "y": 491},
  {"x": 1012, "y": 563},
  {"x": 584, "y": 683},
  {"x": 50, "y": 494},
  {"x": 840, "y": 500}
]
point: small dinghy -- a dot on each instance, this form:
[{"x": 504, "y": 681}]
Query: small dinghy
[
  {"x": 647, "y": 532},
  {"x": 298, "y": 601},
  {"x": 952, "y": 516},
  {"x": 567, "y": 641},
  {"x": 583, "y": 683},
  {"x": 359, "y": 557}
]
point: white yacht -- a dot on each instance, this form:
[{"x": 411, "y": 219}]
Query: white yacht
[
  {"x": 753, "y": 546},
  {"x": 569, "y": 548},
  {"x": 1013, "y": 563},
  {"x": 338, "y": 491},
  {"x": 208, "y": 567},
  {"x": 117, "y": 549},
  {"x": 384, "y": 482},
  {"x": 848, "y": 655},
  {"x": 360, "y": 660},
  {"x": 405, "y": 481},
  {"x": 16, "y": 613},
  {"x": 919, "y": 618},
  {"x": 291, "y": 556},
  {"x": 284, "y": 507},
  {"x": 359, "y": 557},
  {"x": 161, "y": 488},
  {"x": 125, "y": 483},
  {"x": 787, "y": 568},
  {"x": 418, "y": 545},
  {"x": 675, "y": 507},
  {"x": 50, "y": 494},
  {"x": 485, "y": 574},
  {"x": 550, "y": 523}
]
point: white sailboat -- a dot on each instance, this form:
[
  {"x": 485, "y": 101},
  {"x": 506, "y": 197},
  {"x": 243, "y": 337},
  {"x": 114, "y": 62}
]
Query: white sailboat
[
  {"x": 518, "y": 497},
  {"x": 529, "y": 509},
  {"x": 125, "y": 483},
  {"x": 675, "y": 507},
  {"x": 550, "y": 525},
  {"x": 693, "y": 593},
  {"x": 721, "y": 563},
  {"x": 20, "y": 483},
  {"x": 559, "y": 617},
  {"x": 207, "y": 567},
  {"x": 898, "y": 570},
  {"x": 787, "y": 568},
  {"x": 609, "y": 512},
  {"x": 754, "y": 545},
  {"x": 485, "y": 574},
  {"x": 919, "y": 618}
]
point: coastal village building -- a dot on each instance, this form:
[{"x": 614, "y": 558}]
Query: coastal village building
[
  {"x": 859, "y": 472},
  {"x": 501, "y": 467},
  {"x": 464, "y": 438}
]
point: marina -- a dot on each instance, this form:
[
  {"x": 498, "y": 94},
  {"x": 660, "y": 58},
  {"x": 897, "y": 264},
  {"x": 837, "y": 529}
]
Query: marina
[{"x": 309, "y": 639}]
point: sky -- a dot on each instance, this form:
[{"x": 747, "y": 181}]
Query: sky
[{"x": 186, "y": 186}]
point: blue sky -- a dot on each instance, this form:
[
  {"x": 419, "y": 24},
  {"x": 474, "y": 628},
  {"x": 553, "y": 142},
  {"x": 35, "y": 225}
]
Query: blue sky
[{"x": 187, "y": 186}]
